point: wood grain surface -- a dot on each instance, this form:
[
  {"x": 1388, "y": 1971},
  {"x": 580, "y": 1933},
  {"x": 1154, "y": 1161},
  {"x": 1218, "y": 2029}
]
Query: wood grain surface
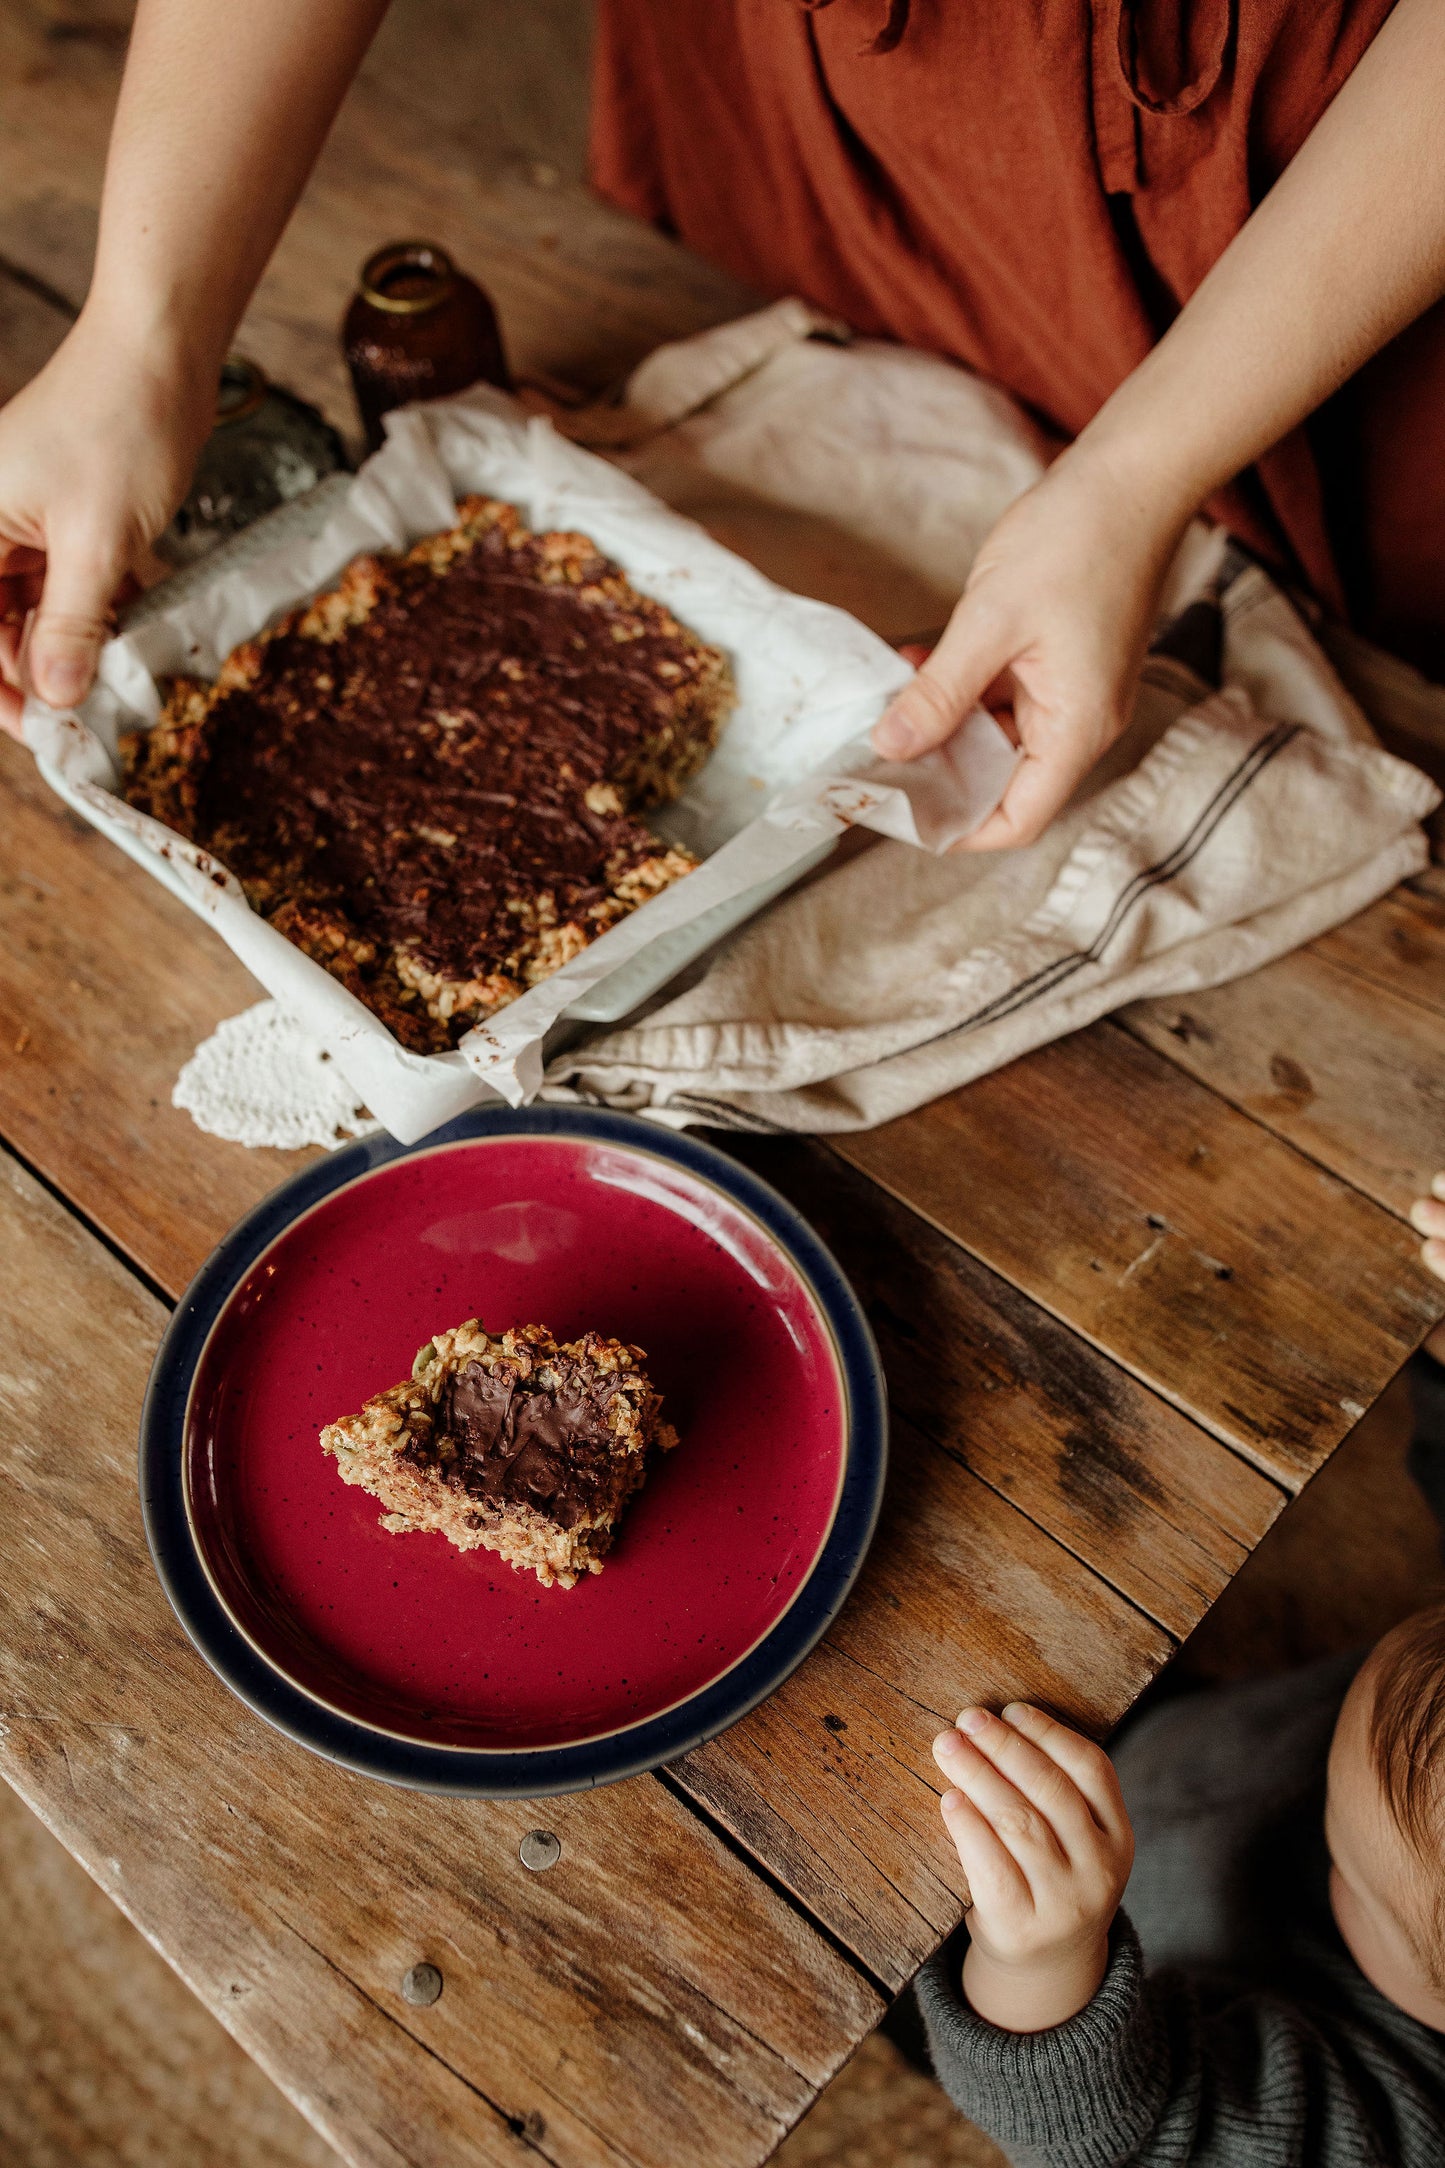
[
  {"x": 1259, "y": 1293},
  {"x": 1150, "y": 1502},
  {"x": 832, "y": 1781},
  {"x": 32, "y": 325},
  {"x": 1053, "y": 1527},
  {"x": 648, "y": 2000},
  {"x": 1336, "y": 1048},
  {"x": 107, "y": 986},
  {"x": 1399, "y": 944},
  {"x": 107, "y": 2060}
]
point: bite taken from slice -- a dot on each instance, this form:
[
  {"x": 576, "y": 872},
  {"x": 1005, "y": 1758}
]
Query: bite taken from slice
[{"x": 517, "y": 1445}]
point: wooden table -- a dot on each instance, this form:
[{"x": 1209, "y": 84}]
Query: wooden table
[{"x": 1131, "y": 1293}]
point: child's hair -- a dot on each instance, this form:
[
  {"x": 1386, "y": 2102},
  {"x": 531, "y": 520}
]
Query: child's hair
[{"x": 1407, "y": 1744}]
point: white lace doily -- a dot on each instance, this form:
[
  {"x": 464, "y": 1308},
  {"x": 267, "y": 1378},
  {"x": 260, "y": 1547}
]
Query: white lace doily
[{"x": 261, "y": 1079}]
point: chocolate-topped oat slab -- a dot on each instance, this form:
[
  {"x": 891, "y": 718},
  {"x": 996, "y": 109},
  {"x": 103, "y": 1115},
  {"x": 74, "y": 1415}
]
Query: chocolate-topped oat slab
[
  {"x": 516, "y": 1444},
  {"x": 429, "y": 777}
]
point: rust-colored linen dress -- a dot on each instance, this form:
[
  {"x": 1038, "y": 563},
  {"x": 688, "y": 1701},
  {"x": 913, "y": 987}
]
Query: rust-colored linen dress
[{"x": 1034, "y": 188}]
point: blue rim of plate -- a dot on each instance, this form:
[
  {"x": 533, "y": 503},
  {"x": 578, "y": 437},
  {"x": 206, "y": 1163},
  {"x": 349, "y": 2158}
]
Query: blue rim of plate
[{"x": 534, "y": 1773}]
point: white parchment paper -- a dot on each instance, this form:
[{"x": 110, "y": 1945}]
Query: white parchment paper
[{"x": 791, "y": 770}]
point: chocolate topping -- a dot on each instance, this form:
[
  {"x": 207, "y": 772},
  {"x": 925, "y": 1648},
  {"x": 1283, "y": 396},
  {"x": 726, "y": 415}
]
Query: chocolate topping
[
  {"x": 522, "y": 1443},
  {"x": 426, "y": 773}
]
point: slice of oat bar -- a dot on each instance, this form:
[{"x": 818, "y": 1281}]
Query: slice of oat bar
[
  {"x": 429, "y": 778},
  {"x": 516, "y": 1445}
]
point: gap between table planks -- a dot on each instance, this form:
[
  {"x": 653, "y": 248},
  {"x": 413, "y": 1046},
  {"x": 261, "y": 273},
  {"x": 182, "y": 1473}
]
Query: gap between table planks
[
  {"x": 1252, "y": 1287},
  {"x": 800, "y": 1782},
  {"x": 1336, "y": 1048},
  {"x": 437, "y": 131},
  {"x": 627, "y": 289},
  {"x": 999, "y": 1408},
  {"x": 50, "y": 223},
  {"x": 991, "y": 1603}
]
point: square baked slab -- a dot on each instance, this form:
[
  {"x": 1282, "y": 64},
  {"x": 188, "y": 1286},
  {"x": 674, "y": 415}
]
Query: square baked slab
[
  {"x": 429, "y": 777},
  {"x": 517, "y": 1445}
]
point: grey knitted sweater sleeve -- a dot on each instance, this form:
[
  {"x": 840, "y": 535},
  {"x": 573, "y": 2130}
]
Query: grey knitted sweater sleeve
[{"x": 1169, "y": 2070}]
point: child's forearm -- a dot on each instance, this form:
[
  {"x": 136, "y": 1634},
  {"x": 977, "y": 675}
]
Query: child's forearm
[
  {"x": 1037, "y": 1996},
  {"x": 222, "y": 113},
  {"x": 1154, "y": 2072},
  {"x": 1090, "y": 2091}
]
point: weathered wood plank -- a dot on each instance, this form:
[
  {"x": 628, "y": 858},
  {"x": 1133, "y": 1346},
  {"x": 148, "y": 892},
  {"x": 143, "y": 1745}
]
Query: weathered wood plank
[
  {"x": 107, "y": 985},
  {"x": 1260, "y": 1294},
  {"x": 31, "y": 328},
  {"x": 1153, "y": 1504},
  {"x": 1322, "y": 1049},
  {"x": 832, "y": 1781},
  {"x": 106, "y": 2059},
  {"x": 1356, "y": 1553},
  {"x": 1399, "y": 943},
  {"x": 582, "y": 293},
  {"x": 1144, "y": 1499},
  {"x": 647, "y": 2001}
]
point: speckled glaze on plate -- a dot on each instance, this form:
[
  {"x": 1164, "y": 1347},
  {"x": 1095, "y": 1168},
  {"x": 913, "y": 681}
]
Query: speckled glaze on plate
[{"x": 416, "y": 1662}]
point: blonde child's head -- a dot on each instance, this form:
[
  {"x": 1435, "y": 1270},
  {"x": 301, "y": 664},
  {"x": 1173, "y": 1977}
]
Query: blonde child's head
[{"x": 1385, "y": 1817}]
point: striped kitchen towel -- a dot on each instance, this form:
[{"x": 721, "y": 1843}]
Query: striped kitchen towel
[{"x": 1247, "y": 809}]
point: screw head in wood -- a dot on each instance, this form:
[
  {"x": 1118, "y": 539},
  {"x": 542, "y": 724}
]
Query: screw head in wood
[
  {"x": 540, "y": 1849},
  {"x": 421, "y": 1985}
]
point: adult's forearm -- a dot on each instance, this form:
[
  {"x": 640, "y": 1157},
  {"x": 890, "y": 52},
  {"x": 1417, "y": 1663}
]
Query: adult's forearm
[
  {"x": 223, "y": 110},
  {"x": 1346, "y": 249}
]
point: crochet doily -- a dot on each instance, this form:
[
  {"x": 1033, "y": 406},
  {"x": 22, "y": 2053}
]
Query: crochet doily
[{"x": 261, "y": 1079}]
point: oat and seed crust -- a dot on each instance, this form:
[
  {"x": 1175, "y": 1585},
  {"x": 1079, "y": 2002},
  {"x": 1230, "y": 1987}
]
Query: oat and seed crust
[
  {"x": 395, "y": 1448},
  {"x": 425, "y": 1004}
]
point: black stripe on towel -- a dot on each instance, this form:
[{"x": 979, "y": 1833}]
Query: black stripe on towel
[
  {"x": 1050, "y": 976},
  {"x": 722, "y": 1114}
]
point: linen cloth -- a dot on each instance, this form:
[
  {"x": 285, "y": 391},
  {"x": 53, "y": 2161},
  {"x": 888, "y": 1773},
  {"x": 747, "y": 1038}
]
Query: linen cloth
[{"x": 1247, "y": 808}]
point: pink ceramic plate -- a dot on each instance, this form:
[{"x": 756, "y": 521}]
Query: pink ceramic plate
[{"x": 406, "y": 1636}]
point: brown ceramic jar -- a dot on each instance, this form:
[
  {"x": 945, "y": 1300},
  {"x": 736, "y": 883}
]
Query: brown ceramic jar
[{"x": 417, "y": 328}]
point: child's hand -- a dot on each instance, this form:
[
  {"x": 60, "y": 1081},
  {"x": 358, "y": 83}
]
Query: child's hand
[
  {"x": 1045, "y": 1842},
  {"x": 1427, "y": 1216}
]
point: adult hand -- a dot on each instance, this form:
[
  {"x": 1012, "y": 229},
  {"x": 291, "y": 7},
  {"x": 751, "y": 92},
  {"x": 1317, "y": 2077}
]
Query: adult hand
[
  {"x": 95, "y": 455},
  {"x": 1044, "y": 1840},
  {"x": 1050, "y": 631},
  {"x": 1346, "y": 248}
]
